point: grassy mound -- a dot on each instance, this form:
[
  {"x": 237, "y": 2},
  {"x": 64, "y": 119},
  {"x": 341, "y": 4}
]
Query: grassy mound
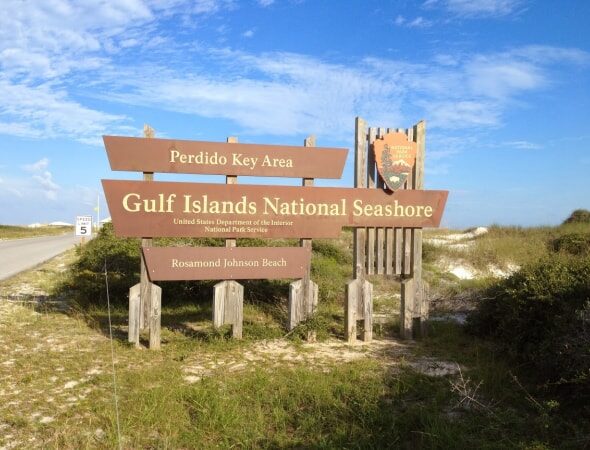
[{"x": 579, "y": 216}]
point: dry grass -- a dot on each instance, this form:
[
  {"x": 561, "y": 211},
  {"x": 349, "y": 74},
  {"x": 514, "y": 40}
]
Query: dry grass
[{"x": 18, "y": 232}]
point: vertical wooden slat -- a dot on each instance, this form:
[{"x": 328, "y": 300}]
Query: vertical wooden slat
[
  {"x": 371, "y": 183},
  {"x": 389, "y": 242},
  {"x": 398, "y": 238},
  {"x": 407, "y": 233},
  {"x": 380, "y": 232}
]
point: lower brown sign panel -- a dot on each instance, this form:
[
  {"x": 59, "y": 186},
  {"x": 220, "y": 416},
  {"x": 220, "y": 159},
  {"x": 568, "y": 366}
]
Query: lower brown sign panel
[
  {"x": 226, "y": 263},
  {"x": 152, "y": 208}
]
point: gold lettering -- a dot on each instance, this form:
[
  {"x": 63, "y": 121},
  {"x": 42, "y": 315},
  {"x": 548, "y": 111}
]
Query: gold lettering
[{"x": 136, "y": 206}]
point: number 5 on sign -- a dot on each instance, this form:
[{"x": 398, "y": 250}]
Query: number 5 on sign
[{"x": 84, "y": 226}]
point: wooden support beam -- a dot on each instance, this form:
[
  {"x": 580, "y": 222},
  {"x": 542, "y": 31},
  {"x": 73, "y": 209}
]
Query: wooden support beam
[
  {"x": 360, "y": 180},
  {"x": 145, "y": 298},
  {"x": 228, "y": 306},
  {"x": 359, "y": 306},
  {"x": 407, "y": 308},
  {"x": 414, "y": 302},
  {"x": 419, "y": 135},
  {"x": 359, "y": 292},
  {"x": 228, "y": 296},
  {"x": 134, "y": 314},
  {"x": 303, "y": 293}
]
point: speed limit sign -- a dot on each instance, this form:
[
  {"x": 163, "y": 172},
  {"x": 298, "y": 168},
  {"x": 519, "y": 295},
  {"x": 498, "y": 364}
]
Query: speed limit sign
[{"x": 84, "y": 226}]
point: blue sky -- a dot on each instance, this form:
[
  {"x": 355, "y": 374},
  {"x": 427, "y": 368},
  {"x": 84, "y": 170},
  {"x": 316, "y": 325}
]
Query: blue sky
[{"x": 502, "y": 85}]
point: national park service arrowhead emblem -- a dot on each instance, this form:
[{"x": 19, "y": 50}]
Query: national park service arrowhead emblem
[{"x": 395, "y": 156}]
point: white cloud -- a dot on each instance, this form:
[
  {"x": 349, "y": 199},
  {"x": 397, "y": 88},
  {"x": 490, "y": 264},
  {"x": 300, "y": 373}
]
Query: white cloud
[
  {"x": 44, "y": 112},
  {"x": 287, "y": 94},
  {"x": 38, "y": 166},
  {"x": 284, "y": 94},
  {"x": 418, "y": 22},
  {"x": 522, "y": 145},
  {"x": 265, "y": 3},
  {"x": 249, "y": 33},
  {"x": 275, "y": 93},
  {"x": 45, "y": 180},
  {"x": 502, "y": 77},
  {"x": 477, "y": 8},
  {"x": 48, "y": 47},
  {"x": 42, "y": 178}
]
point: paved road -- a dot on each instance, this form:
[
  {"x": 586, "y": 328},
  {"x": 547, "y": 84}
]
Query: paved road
[{"x": 17, "y": 255}]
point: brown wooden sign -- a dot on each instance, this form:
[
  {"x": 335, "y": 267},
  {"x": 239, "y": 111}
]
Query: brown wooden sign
[
  {"x": 219, "y": 158},
  {"x": 395, "y": 157},
  {"x": 140, "y": 209},
  {"x": 226, "y": 263}
]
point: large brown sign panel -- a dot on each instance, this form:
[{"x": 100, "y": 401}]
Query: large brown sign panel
[
  {"x": 148, "y": 208},
  {"x": 221, "y": 263},
  {"x": 219, "y": 158}
]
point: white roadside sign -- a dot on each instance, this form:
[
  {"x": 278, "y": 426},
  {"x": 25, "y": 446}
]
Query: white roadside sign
[{"x": 84, "y": 226}]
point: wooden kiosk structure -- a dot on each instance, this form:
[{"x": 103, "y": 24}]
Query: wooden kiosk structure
[{"x": 386, "y": 251}]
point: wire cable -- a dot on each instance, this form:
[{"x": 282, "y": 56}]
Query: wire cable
[{"x": 106, "y": 279}]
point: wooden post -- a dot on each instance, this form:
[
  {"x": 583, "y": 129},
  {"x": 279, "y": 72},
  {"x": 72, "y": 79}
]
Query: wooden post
[
  {"x": 228, "y": 306},
  {"x": 359, "y": 298},
  {"x": 418, "y": 178},
  {"x": 134, "y": 313},
  {"x": 414, "y": 304},
  {"x": 407, "y": 308},
  {"x": 228, "y": 296},
  {"x": 145, "y": 298},
  {"x": 303, "y": 293}
]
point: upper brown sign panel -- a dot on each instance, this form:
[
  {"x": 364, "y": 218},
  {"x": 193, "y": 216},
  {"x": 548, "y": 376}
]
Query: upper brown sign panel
[
  {"x": 149, "y": 208},
  {"x": 219, "y": 158}
]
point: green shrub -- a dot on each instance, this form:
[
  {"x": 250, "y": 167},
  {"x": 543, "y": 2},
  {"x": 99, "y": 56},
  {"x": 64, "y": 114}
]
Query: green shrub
[
  {"x": 572, "y": 243},
  {"x": 541, "y": 317},
  {"x": 579, "y": 216},
  {"x": 331, "y": 267},
  {"x": 119, "y": 257}
]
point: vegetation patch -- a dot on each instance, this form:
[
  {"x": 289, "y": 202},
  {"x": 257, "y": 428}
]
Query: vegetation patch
[
  {"x": 578, "y": 216},
  {"x": 540, "y": 316},
  {"x": 19, "y": 232}
]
